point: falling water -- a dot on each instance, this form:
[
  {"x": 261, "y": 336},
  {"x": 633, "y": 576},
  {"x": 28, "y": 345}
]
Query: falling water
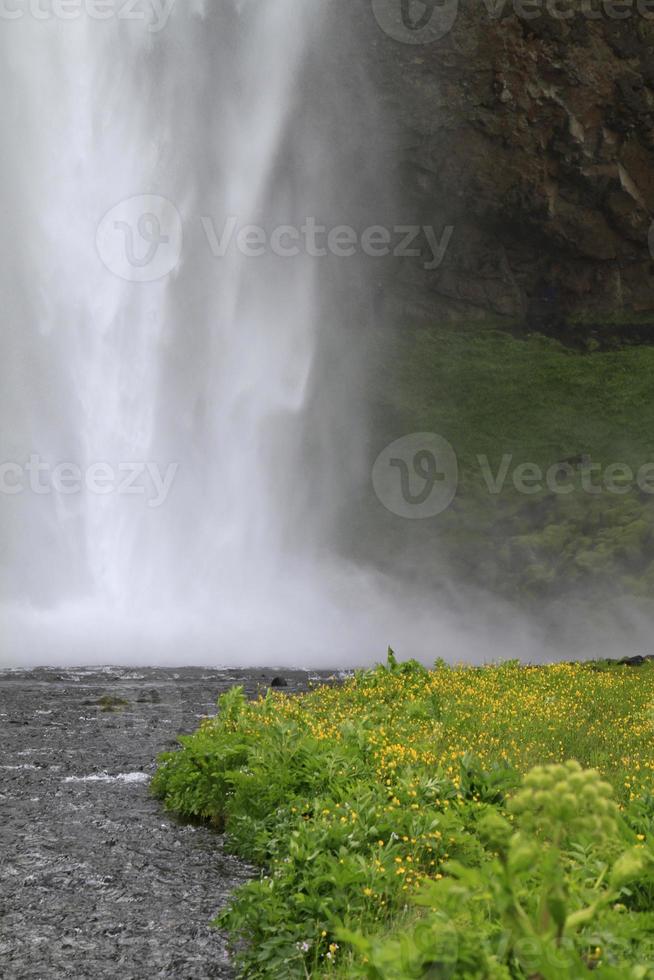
[
  {"x": 209, "y": 368},
  {"x": 135, "y": 341}
]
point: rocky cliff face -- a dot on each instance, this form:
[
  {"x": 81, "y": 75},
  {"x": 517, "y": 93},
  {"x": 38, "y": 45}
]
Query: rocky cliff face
[{"x": 532, "y": 134}]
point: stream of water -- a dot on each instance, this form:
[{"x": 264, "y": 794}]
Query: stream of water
[{"x": 180, "y": 367}]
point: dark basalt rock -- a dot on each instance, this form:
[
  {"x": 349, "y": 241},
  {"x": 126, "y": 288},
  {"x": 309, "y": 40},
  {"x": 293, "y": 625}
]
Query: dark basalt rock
[
  {"x": 534, "y": 140},
  {"x": 636, "y": 661}
]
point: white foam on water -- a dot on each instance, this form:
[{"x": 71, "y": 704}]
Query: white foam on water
[{"x": 103, "y": 777}]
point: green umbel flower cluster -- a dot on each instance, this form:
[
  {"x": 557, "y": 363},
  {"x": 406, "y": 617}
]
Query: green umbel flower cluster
[{"x": 565, "y": 801}]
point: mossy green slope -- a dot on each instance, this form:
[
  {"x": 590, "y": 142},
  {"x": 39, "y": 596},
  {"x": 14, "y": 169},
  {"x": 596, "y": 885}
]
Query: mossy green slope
[{"x": 498, "y": 398}]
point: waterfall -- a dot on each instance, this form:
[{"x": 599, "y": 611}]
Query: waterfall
[{"x": 179, "y": 388}]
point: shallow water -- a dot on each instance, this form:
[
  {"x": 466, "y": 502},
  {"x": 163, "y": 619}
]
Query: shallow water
[{"x": 97, "y": 881}]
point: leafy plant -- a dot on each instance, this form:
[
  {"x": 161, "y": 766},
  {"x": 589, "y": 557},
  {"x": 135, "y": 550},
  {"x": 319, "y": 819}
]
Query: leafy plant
[{"x": 414, "y": 823}]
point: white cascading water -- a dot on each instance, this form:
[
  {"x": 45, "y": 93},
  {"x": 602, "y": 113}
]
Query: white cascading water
[
  {"x": 237, "y": 375},
  {"x": 204, "y": 372}
]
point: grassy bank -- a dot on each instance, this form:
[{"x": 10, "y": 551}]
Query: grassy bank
[
  {"x": 498, "y": 398},
  {"x": 403, "y": 831}
]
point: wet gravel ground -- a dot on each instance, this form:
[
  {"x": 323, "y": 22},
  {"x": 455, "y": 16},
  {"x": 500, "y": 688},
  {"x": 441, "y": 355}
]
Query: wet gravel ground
[{"x": 95, "y": 879}]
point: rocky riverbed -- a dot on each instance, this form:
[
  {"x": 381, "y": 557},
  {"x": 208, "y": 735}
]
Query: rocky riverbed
[{"x": 96, "y": 880}]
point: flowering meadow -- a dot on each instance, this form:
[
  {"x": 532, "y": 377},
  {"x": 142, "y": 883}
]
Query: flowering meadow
[{"x": 493, "y": 822}]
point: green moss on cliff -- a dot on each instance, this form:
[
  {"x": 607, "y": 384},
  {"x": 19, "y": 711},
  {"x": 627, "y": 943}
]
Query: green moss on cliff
[
  {"x": 489, "y": 393},
  {"x": 502, "y": 402}
]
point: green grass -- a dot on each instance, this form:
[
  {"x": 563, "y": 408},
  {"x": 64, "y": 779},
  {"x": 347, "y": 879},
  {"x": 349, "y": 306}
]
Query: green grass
[
  {"x": 427, "y": 824},
  {"x": 488, "y": 392},
  {"x": 109, "y": 703},
  {"x": 492, "y": 395}
]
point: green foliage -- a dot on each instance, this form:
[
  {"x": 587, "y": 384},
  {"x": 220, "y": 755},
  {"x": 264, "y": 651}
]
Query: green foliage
[
  {"x": 563, "y": 801},
  {"x": 494, "y": 396},
  {"x": 397, "y": 838},
  {"x": 542, "y": 903}
]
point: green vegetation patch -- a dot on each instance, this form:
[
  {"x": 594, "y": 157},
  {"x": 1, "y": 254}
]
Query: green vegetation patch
[
  {"x": 461, "y": 823},
  {"x": 490, "y": 393},
  {"x": 508, "y": 405},
  {"x": 109, "y": 703}
]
